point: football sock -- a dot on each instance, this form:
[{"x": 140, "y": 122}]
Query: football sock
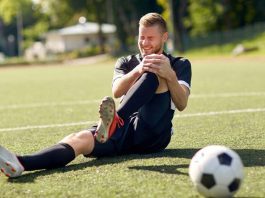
[
  {"x": 138, "y": 95},
  {"x": 54, "y": 157}
]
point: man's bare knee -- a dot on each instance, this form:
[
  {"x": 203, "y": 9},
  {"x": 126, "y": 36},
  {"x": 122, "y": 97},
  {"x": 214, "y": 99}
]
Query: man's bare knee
[{"x": 82, "y": 142}]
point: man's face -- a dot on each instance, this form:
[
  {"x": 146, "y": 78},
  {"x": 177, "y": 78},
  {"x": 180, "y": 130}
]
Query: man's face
[{"x": 151, "y": 40}]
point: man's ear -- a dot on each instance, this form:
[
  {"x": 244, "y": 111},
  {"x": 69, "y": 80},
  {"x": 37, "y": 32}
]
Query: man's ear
[{"x": 165, "y": 36}]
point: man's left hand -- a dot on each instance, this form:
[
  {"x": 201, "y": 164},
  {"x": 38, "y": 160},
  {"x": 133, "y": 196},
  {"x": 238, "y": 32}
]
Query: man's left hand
[{"x": 160, "y": 65}]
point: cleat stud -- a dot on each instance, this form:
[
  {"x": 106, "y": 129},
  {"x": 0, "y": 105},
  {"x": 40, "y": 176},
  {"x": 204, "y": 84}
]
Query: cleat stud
[{"x": 13, "y": 170}]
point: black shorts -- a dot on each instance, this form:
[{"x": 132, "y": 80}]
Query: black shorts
[
  {"x": 134, "y": 138},
  {"x": 139, "y": 135}
]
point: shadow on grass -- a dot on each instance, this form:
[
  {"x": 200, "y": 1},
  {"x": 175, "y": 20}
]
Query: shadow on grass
[
  {"x": 167, "y": 169},
  {"x": 250, "y": 158}
]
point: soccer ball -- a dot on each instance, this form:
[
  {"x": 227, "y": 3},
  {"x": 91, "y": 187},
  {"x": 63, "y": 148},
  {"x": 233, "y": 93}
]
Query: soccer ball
[{"x": 216, "y": 171}]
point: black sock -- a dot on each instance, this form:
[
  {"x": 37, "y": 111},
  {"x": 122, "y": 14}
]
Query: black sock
[
  {"x": 138, "y": 95},
  {"x": 53, "y": 157}
]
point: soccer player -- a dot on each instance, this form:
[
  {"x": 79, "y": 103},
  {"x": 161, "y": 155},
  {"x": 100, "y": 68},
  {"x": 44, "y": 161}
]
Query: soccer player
[{"x": 152, "y": 85}]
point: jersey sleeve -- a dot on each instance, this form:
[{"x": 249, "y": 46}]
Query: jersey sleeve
[
  {"x": 120, "y": 69},
  {"x": 183, "y": 71}
]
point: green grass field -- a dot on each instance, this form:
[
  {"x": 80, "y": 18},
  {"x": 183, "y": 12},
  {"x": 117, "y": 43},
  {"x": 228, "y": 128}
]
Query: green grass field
[{"x": 39, "y": 105}]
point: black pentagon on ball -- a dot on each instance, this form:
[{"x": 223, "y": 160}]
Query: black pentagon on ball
[
  {"x": 234, "y": 185},
  {"x": 208, "y": 180},
  {"x": 225, "y": 159}
]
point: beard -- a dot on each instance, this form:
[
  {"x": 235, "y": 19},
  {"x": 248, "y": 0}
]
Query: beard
[{"x": 155, "y": 50}]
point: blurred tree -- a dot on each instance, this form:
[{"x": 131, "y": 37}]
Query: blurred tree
[
  {"x": 94, "y": 10},
  {"x": 238, "y": 13},
  {"x": 259, "y": 7},
  {"x": 12, "y": 13},
  {"x": 174, "y": 12},
  {"x": 57, "y": 13},
  {"x": 50, "y": 14},
  {"x": 234, "y": 14},
  {"x": 67, "y": 12},
  {"x": 126, "y": 15},
  {"x": 203, "y": 16},
  {"x": 194, "y": 17},
  {"x": 209, "y": 15},
  {"x": 10, "y": 8},
  {"x": 38, "y": 26},
  {"x": 123, "y": 13}
]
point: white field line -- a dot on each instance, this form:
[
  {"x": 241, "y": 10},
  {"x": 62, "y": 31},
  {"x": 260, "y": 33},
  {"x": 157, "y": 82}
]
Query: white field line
[
  {"x": 213, "y": 113},
  {"x": 226, "y": 95},
  {"x": 46, "y": 126},
  {"x": 48, "y": 104},
  {"x": 84, "y": 102}
]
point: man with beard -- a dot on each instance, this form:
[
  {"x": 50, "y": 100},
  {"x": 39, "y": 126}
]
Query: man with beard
[{"x": 152, "y": 85}]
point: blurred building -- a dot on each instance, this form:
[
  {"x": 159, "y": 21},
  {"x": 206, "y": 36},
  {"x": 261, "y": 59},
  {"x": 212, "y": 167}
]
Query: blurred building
[{"x": 78, "y": 36}]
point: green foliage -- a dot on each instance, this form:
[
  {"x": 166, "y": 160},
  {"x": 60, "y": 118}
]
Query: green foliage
[
  {"x": 190, "y": 17},
  {"x": 126, "y": 15},
  {"x": 34, "y": 32},
  {"x": 85, "y": 52},
  {"x": 10, "y": 8},
  {"x": 203, "y": 16},
  {"x": 166, "y": 11},
  {"x": 256, "y": 42},
  {"x": 237, "y": 13},
  {"x": 208, "y": 15},
  {"x": 59, "y": 13}
]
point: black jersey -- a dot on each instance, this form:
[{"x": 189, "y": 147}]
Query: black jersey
[{"x": 181, "y": 66}]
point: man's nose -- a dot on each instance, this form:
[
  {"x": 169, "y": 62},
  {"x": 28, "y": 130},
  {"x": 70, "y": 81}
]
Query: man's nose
[{"x": 145, "y": 42}]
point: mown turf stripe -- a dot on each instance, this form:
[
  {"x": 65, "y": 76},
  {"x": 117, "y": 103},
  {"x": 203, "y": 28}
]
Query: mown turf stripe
[
  {"x": 47, "y": 126},
  {"x": 48, "y": 104},
  {"x": 213, "y": 113},
  {"x": 227, "y": 95},
  {"x": 97, "y": 101}
]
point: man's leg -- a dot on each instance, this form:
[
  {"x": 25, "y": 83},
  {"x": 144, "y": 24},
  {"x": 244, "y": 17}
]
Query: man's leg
[
  {"x": 54, "y": 157},
  {"x": 138, "y": 95}
]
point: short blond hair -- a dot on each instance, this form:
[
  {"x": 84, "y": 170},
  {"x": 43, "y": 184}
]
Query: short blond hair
[{"x": 152, "y": 19}]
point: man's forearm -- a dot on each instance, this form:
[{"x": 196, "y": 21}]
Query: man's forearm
[
  {"x": 124, "y": 83},
  {"x": 179, "y": 93}
]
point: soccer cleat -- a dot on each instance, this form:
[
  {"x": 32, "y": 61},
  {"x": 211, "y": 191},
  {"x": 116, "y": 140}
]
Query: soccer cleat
[
  {"x": 109, "y": 120},
  {"x": 9, "y": 164}
]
